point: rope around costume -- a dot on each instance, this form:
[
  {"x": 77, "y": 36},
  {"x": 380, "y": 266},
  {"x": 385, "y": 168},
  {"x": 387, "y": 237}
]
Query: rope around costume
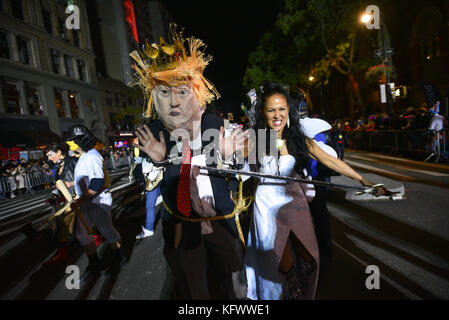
[{"x": 241, "y": 204}]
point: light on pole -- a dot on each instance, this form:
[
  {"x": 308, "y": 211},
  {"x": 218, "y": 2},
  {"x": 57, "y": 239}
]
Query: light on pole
[{"x": 374, "y": 20}]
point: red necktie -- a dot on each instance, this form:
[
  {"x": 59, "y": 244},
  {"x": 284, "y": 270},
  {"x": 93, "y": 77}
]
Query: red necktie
[{"x": 183, "y": 192}]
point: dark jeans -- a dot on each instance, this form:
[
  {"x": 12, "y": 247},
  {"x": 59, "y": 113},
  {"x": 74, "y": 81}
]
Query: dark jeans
[
  {"x": 321, "y": 219},
  {"x": 205, "y": 272},
  {"x": 340, "y": 150}
]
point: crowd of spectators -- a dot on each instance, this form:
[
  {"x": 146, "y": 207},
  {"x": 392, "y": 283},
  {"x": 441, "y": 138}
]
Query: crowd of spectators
[
  {"x": 117, "y": 153},
  {"x": 14, "y": 173},
  {"x": 411, "y": 124},
  {"x": 409, "y": 119}
]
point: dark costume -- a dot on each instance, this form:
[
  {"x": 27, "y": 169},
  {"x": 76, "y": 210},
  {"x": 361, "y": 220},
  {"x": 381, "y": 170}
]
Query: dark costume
[
  {"x": 203, "y": 258},
  {"x": 339, "y": 140},
  {"x": 63, "y": 223}
]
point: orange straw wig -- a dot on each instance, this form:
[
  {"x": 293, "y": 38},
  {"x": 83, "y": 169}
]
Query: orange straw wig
[{"x": 172, "y": 65}]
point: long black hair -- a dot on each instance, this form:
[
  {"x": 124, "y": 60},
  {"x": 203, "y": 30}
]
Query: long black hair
[
  {"x": 85, "y": 142},
  {"x": 293, "y": 134}
]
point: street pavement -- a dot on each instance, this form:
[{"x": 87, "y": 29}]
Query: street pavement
[{"x": 406, "y": 239}]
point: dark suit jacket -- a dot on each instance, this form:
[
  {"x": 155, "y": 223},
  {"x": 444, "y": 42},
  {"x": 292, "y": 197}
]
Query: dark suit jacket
[{"x": 191, "y": 231}]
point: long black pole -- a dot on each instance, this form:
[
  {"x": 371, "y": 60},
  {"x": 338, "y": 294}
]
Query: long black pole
[
  {"x": 387, "y": 74},
  {"x": 270, "y": 176}
]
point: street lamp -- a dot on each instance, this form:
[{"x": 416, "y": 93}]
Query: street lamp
[
  {"x": 373, "y": 13},
  {"x": 366, "y": 18},
  {"x": 311, "y": 78}
]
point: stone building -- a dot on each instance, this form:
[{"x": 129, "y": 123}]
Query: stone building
[
  {"x": 113, "y": 42},
  {"x": 47, "y": 73}
]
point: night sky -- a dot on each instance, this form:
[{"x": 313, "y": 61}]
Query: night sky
[{"x": 230, "y": 29}]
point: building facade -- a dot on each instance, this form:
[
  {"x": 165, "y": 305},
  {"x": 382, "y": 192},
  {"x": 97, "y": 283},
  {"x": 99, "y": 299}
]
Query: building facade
[
  {"x": 47, "y": 72},
  {"x": 113, "y": 41}
]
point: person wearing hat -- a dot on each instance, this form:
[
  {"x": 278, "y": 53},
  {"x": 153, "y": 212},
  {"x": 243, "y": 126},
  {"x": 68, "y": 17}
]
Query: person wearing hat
[
  {"x": 201, "y": 233},
  {"x": 94, "y": 202}
]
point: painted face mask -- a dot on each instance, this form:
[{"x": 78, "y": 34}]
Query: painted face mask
[
  {"x": 72, "y": 145},
  {"x": 172, "y": 66},
  {"x": 177, "y": 107}
]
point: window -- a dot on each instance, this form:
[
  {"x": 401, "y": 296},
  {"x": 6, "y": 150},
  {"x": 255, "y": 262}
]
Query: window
[
  {"x": 55, "y": 60},
  {"x": 68, "y": 65},
  {"x": 76, "y": 37},
  {"x": 46, "y": 15},
  {"x": 117, "y": 100},
  {"x": 60, "y": 105},
  {"x": 63, "y": 30},
  {"x": 17, "y": 9},
  {"x": 123, "y": 99},
  {"x": 11, "y": 96},
  {"x": 74, "y": 109},
  {"x": 33, "y": 100},
  {"x": 91, "y": 106},
  {"x": 112, "y": 117},
  {"x": 22, "y": 46},
  {"x": 4, "y": 46},
  {"x": 81, "y": 69},
  {"x": 108, "y": 98},
  {"x": 33, "y": 12}
]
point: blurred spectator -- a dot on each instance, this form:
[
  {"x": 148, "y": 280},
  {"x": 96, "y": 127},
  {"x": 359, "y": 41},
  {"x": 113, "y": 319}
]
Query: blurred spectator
[
  {"x": 383, "y": 122},
  {"x": 423, "y": 118},
  {"x": 412, "y": 123},
  {"x": 371, "y": 124},
  {"x": 348, "y": 130},
  {"x": 339, "y": 139},
  {"x": 360, "y": 126}
]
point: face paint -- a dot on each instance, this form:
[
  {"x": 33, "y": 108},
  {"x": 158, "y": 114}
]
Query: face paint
[
  {"x": 72, "y": 145},
  {"x": 177, "y": 107}
]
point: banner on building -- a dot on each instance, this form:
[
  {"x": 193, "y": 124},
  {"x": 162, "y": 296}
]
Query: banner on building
[{"x": 131, "y": 18}]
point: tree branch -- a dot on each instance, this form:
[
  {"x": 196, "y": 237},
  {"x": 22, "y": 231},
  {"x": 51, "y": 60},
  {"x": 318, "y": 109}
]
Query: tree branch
[{"x": 339, "y": 69}]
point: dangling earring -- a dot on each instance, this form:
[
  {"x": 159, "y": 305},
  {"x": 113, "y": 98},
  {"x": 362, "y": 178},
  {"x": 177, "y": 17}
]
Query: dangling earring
[{"x": 288, "y": 121}]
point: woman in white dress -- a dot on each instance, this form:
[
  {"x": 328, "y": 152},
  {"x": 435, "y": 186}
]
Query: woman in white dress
[{"x": 282, "y": 258}]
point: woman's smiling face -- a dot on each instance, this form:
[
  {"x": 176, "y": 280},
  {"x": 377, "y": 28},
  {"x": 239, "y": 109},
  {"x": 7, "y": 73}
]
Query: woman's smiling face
[{"x": 275, "y": 112}]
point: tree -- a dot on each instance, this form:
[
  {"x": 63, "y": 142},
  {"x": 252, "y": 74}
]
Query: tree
[{"x": 311, "y": 38}]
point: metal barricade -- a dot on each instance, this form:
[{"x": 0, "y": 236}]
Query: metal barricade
[
  {"x": 123, "y": 162},
  {"x": 410, "y": 143},
  {"x": 37, "y": 179},
  {"x": 4, "y": 185},
  {"x": 32, "y": 180}
]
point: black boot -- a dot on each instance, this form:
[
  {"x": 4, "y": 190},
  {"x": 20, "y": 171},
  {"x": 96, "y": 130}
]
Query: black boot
[
  {"x": 118, "y": 261},
  {"x": 93, "y": 269},
  {"x": 120, "y": 257}
]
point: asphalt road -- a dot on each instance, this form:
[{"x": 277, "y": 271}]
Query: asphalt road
[{"x": 407, "y": 240}]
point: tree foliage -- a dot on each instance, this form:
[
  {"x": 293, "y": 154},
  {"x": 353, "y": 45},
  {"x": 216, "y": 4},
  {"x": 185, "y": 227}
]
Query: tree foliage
[{"x": 310, "y": 37}]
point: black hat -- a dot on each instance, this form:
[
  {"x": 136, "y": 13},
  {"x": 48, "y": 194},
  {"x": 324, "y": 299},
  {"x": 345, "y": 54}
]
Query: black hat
[{"x": 76, "y": 131}]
